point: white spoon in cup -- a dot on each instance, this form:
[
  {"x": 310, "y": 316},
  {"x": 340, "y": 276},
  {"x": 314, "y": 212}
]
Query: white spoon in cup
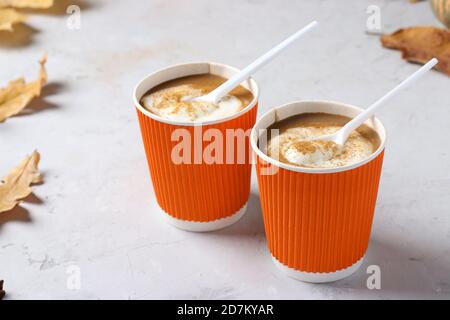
[
  {"x": 340, "y": 137},
  {"x": 222, "y": 90}
]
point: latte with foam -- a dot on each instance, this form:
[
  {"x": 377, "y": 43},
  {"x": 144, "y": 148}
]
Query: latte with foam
[
  {"x": 294, "y": 144},
  {"x": 172, "y": 100}
]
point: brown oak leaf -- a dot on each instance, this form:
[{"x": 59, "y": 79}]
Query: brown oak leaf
[{"x": 420, "y": 44}]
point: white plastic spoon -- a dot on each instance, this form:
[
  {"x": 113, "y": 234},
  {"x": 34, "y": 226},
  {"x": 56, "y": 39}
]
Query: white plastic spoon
[
  {"x": 341, "y": 136},
  {"x": 222, "y": 90}
]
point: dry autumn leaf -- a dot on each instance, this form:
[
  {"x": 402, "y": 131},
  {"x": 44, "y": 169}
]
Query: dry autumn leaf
[
  {"x": 8, "y": 17},
  {"x": 420, "y": 44},
  {"x": 34, "y": 4},
  {"x": 2, "y": 292},
  {"x": 18, "y": 94},
  {"x": 17, "y": 184}
]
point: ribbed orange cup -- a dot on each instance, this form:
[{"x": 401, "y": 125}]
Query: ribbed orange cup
[
  {"x": 317, "y": 221},
  {"x": 198, "y": 195}
]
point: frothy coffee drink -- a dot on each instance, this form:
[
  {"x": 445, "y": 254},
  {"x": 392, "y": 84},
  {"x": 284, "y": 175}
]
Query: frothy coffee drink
[
  {"x": 172, "y": 100},
  {"x": 293, "y": 144}
]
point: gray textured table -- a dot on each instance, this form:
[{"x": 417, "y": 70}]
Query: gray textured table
[{"x": 96, "y": 212}]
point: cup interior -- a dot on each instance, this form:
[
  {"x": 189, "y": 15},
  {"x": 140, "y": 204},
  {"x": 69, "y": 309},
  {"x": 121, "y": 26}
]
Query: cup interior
[
  {"x": 188, "y": 69},
  {"x": 295, "y": 108}
]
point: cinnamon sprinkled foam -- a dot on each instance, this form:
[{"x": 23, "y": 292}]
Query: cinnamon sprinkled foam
[
  {"x": 174, "y": 104},
  {"x": 293, "y": 147}
]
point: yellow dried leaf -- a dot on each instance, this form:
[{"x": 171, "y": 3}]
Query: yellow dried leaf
[
  {"x": 18, "y": 94},
  {"x": 8, "y": 17},
  {"x": 34, "y": 4},
  {"x": 17, "y": 184}
]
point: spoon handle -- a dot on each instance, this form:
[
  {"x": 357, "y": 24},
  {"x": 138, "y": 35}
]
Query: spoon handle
[
  {"x": 230, "y": 84},
  {"x": 370, "y": 111}
]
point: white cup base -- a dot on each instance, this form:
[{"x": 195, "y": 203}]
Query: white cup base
[
  {"x": 318, "y": 277},
  {"x": 197, "y": 226}
]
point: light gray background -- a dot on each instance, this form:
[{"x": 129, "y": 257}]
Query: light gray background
[{"x": 97, "y": 210}]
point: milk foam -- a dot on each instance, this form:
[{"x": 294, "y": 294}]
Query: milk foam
[
  {"x": 317, "y": 155},
  {"x": 293, "y": 147},
  {"x": 174, "y": 104}
]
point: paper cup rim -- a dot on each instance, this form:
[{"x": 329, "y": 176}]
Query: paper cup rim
[
  {"x": 258, "y": 152},
  {"x": 225, "y": 67}
]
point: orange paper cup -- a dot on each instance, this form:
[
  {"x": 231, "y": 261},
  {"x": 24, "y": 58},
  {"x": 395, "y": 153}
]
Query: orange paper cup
[
  {"x": 198, "y": 195},
  {"x": 317, "y": 221}
]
